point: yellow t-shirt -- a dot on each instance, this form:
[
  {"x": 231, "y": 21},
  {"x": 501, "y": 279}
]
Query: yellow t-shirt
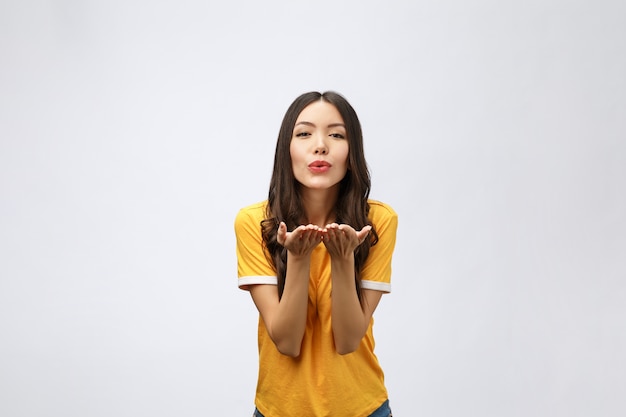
[{"x": 319, "y": 382}]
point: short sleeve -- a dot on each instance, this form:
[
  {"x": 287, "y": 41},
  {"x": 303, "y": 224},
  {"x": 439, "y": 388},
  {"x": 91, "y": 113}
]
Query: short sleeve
[
  {"x": 376, "y": 273},
  {"x": 252, "y": 265}
]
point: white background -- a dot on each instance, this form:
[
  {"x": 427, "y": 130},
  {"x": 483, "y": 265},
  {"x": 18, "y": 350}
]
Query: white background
[{"x": 132, "y": 131}]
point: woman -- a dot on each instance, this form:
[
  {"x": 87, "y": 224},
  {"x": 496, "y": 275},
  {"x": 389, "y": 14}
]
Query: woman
[{"x": 316, "y": 258}]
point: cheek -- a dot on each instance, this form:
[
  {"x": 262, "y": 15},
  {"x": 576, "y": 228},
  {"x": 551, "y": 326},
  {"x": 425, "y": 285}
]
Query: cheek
[
  {"x": 294, "y": 154},
  {"x": 345, "y": 153}
]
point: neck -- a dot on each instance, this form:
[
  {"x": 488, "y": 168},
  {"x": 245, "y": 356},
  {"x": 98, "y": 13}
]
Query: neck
[{"x": 319, "y": 205}]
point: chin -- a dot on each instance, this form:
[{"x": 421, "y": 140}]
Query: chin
[{"x": 320, "y": 187}]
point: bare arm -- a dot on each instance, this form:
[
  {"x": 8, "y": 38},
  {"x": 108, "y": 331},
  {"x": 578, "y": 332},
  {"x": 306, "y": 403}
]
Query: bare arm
[
  {"x": 350, "y": 318},
  {"x": 285, "y": 318}
]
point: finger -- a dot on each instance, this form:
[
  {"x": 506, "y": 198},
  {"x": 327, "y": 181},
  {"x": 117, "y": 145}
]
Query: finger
[
  {"x": 363, "y": 233},
  {"x": 281, "y": 235},
  {"x": 347, "y": 232},
  {"x": 305, "y": 236},
  {"x": 312, "y": 234},
  {"x": 347, "y": 229},
  {"x": 332, "y": 232}
]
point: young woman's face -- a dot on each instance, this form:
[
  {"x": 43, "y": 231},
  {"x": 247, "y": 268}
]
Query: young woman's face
[{"x": 319, "y": 146}]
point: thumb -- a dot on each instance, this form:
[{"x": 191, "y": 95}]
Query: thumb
[
  {"x": 362, "y": 234},
  {"x": 281, "y": 235}
]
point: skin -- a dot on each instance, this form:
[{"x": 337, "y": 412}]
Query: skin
[{"x": 319, "y": 135}]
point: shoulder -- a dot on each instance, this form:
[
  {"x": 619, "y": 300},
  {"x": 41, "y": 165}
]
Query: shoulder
[
  {"x": 249, "y": 218},
  {"x": 381, "y": 212},
  {"x": 254, "y": 212}
]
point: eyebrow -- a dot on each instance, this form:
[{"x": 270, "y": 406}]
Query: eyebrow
[{"x": 313, "y": 125}]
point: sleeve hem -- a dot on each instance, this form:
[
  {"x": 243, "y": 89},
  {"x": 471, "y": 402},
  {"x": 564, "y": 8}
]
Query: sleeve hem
[
  {"x": 245, "y": 282},
  {"x": 376, "y": 285}
]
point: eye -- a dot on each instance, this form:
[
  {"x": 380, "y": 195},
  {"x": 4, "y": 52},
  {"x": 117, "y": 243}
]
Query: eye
[
  {"x": 337, "y": 136},
  {"x": 302, "y": 134}
]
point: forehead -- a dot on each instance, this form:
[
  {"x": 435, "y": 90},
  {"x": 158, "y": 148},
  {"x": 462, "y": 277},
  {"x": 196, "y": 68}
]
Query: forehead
[{"x": 322, "y": 111}]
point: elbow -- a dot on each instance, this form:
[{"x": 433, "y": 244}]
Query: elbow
[
  {"x": 288, "y": 347},
  {"x": 291, "y": 351},
  {"x": 347, "y": 342},
  {"x": 347, "y": 348}
]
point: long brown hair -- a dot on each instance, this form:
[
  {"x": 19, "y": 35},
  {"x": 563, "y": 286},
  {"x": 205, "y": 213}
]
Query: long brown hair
[{"x": 285, "y": 204}]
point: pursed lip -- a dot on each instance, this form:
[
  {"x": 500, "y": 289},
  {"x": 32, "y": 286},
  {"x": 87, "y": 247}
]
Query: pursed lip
[{"x": 319, "y": 164}]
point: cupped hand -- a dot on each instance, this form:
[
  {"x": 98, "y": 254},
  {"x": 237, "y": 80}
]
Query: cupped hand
[
  {"x": 302, "y": 240},
  {"x": 341, "y": 239}
]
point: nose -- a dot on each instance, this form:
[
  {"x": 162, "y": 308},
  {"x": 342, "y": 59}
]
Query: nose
[{"x": 320, "y": 146}]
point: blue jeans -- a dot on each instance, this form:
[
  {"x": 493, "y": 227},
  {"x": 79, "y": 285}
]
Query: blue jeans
[{"x": 383, "y": 411}]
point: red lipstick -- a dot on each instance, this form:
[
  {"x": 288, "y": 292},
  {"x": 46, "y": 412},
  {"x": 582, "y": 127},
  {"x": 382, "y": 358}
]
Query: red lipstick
[{"x": 319, "y": 166}]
